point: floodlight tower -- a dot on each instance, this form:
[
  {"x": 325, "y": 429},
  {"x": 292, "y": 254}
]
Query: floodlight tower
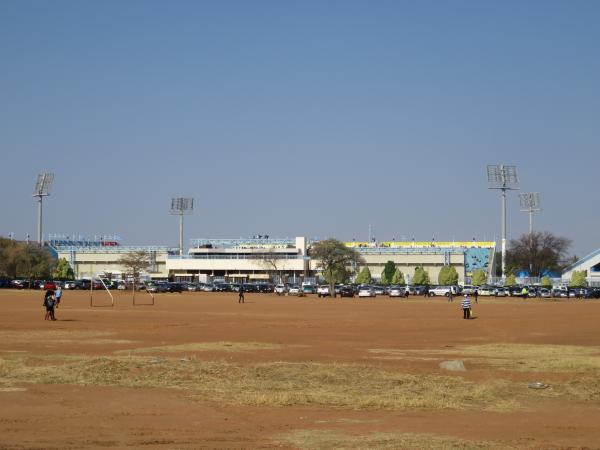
[
  {"x": 181, "y": 206},
  {"x": 42, "y": 189},
  {"x": 504, "y": 178},
  {"x": 530, "y": 203}
]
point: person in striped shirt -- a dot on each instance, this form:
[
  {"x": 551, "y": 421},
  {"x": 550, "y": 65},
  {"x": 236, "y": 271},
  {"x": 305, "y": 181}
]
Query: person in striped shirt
[{"x": 466, "y": 307}]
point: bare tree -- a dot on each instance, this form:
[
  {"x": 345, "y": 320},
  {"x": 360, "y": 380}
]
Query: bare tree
[
  {"x": 135, "y": 262},
  {"x": 538, "y": 252},
  {"x": 273, "y": 263}
]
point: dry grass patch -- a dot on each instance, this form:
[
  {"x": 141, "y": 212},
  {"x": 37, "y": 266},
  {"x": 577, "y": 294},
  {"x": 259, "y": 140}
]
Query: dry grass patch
[
  {"x": 205, "y": 347},
  {"x": 49, "y": 337},
  {"x": 514, "y": 357},
  {"x": 327, "y": 439},
  {"x": 271, "y": 384}
]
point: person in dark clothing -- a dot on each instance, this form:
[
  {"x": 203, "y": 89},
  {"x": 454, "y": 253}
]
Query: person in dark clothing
[
  {"x": 475, "y": 294},
  {"x": 49, "y": 302},
  {"x": 241, "y": 296}
]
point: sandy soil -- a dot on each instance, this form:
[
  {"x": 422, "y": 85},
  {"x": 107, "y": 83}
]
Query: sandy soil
[{"x": 308, "y": 329}]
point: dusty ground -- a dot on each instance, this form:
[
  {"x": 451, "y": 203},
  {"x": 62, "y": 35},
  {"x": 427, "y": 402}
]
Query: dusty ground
[{"x": 200, "y": 371}]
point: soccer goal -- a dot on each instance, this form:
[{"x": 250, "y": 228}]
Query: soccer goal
[
  {"x": 112, "y": 299},
  {"x": 150, "y": 303}
]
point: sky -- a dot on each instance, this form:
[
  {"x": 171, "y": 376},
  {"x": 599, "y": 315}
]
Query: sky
[{"x": 306, "y": 118}]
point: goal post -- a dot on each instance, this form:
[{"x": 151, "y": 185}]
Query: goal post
[{"x": 112, "y": 299}]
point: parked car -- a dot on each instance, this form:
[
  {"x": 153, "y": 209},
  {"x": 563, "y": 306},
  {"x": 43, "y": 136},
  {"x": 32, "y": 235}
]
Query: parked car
[
  {"x": 280, "y": 289},
  {"x": 545, "y": 293},
  {"x": 71, "y": 284},
  {"x": 485, "y": 291},
  {"x": 379, "y": 290},
  {"x": 468, "y": 289},
  {"x": 396, "y": 291},
  {"x": 309, "y": 288},
  {"x": 366, "y": 291},
  {"x": 296, "y": 290},
  {"x": 419, "y": 290},
  {"x": 50, "y": 285},
  {"x": 444, "y": 290},
  {"x": 174, "y": 287},
  {"x": 323, "y": 291},
  {"x": 346, "y": 291},
  {"x": 208, "y": 288},
  {"x": 500, "y": 292}
]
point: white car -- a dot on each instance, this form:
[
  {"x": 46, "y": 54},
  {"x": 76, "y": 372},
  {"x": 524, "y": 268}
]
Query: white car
[
  {"x": 500, "y": 292},
  {"x": 280, "y": 289},
  {"x": 444, "y": 290},
  {"x": 366, "y": 291},
  {"x": 396, "y": 291},
  {"x": 323, "y": 291},
  {"x": 295, "y": 290}
]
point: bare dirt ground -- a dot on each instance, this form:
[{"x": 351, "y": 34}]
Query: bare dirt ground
[{"x": 200, "y": 371}]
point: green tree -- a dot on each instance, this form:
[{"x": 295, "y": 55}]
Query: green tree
[
  {"x": 9, "y": 256},
  {"x": 340, "y": 275},
  {"x": 63, "y": 270},
  {"x": 34, "y": 262},
  {"x": 398, "y": 277},
  {"x": 511, "y": 280},
  {"x": 364, "y": 277},
  {"x": 388, "y": 272},
  {"x": 578, "y": 279},
  {"x": 421, "y": 277},
  {"x": 448, "y": 276},
  {"x": 546, "y": 282},
  {"x": 479, "y": 277},
  {"x": 333, "y": 257}
]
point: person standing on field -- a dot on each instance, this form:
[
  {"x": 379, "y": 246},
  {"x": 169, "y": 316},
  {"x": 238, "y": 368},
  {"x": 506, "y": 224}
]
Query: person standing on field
[
  {"x": 466, "y": 307},
  {"x": 476, "y": 294},
  {"x": 58, "y": 294},
  {"x": 241, "y": 296},
  {"x": 49, "y": 301}
]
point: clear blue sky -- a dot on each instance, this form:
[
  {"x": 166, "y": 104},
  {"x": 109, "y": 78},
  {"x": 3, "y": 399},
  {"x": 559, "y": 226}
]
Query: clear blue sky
[{"x": 300, "y": 118}]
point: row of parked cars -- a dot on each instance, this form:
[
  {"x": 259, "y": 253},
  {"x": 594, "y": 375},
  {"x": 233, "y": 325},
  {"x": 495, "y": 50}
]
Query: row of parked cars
[{"x": 533, "y": 291}]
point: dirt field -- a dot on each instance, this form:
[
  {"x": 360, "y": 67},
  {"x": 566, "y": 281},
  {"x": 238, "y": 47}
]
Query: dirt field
[{"x": 200, "y": 371}]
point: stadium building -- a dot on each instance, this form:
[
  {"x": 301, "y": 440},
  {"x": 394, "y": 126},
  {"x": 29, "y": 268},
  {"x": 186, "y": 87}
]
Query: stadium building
[{"x": 262, "y": 258}]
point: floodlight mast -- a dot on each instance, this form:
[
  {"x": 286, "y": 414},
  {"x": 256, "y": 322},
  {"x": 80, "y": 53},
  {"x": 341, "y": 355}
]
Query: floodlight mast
[
  {"x": 181, "y": 206},
  {"x": 504, "y": 178},
  {"x": 42, "y": 189},
  {"x": 530, "y": 203}
]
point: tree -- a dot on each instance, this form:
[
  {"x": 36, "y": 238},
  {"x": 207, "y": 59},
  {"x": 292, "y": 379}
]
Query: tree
[
  {"x": 388, "y": 272},
  {"x": 34, "y": 262},
  {"x": 448, "y": 276},
  {"x": 511, "y": 280},
  {"x": 9, "y": 253},
  {"x": 63, "y": 270},
  {"x": 340, "y": 275},
  {"x": 134, "y": 263},
  {"x": 539, "y": 251},
  {"x": 398, "y": 277},
  {"x": 333, "y": 257},
  {"x": 421, "y": 277},
  {"x": 546, "y": 282},
  {"x": 364, "y": 277},
  {"x": 273, "y": 263},
  {"x": 578, "y": 279},
  {"x": 479, "y": 277}
]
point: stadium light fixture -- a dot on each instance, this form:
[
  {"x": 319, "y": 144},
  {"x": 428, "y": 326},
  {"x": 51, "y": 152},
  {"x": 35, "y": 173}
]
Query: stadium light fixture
[
  {"x": 530, "y": 203},
  {"x": 42, "y": 188},
  {"x": 181, "y": 206},
  {"x": 504, "y": 178}
]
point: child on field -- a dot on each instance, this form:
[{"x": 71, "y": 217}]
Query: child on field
[{"x": 49, "y": 302}]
